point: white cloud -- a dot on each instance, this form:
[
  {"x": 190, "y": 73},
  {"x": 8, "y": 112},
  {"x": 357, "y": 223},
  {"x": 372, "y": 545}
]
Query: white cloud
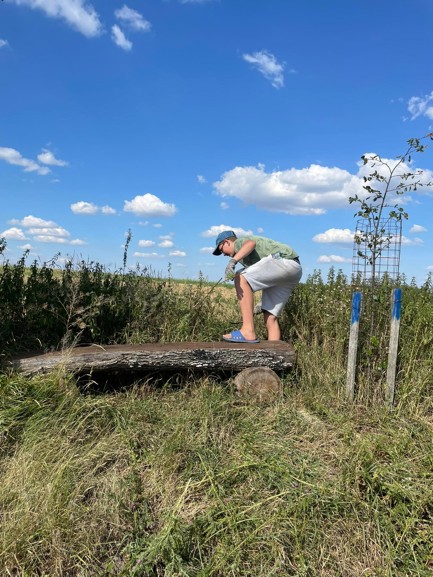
[
  {"x": 33, "y": 221},
  {"x": 430, "y": 267},
  {"x": 3, "y": 43},
  {"x": 305, "y": 191},
  {"x": 267, "y": 64},
  {"x": 12, "y": 156},
  {"x": 76, "y": 13},
  {"x": 44, "y": 231},
  {"x": 57, "y": 231},
  {"x": 207, "y": 249},
  {"x": 166, "y": 244},
  {"x": 120, "y": 39},
  {"x": 132, "y": 18},
  {"x": 224, "y": 205},
  {"x": 214, "y": 231},
  {"x": 418, "y": 106},
  {"x": 149, "y": 205},
  {"x": 417, "y": 228},
  {"x": 148, "y": 255},
  {"x": 146, "y": 243},
  {"x": 333, "y": 258},
  {"x": 26, "y": 246},
  {"x": 411, "y": 241},
  {"x": 83, "y": 207},
  {"x": 108, "y": 210},
  {"x": 335, "y": 235},
  {"x": 177, "y": 253},
  {"x": 47, "y": 157},
  {"x": 13, "y": 233},
  {"x": 312, "y": 190},
  {"x": 201, "y": 179},
  {"x": 47, "y": 238}
]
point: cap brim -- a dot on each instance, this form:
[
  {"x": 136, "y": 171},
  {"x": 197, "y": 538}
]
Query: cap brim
[{"x": 217, "y": 252}]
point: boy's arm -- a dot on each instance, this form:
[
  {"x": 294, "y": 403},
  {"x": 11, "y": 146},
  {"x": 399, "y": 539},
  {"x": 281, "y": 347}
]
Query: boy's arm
[{"x": 247, "y": 248}]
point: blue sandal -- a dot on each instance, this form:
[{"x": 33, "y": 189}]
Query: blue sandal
[{"x": 238, "y": 337}]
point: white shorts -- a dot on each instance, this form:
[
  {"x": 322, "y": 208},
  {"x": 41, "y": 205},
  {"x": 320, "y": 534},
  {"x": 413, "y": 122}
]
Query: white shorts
[{"x": 276, "y": 278}]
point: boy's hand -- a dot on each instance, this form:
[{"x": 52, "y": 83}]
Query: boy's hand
[{"x": 230, "y": 269}]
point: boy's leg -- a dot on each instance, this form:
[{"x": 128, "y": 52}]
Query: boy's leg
[
  {"x": 245, "y": 297},
  {"x": 272, "y": 326}
]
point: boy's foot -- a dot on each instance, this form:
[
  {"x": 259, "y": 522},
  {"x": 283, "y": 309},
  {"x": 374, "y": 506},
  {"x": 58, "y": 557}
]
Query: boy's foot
[{"x": 238, "y": 337}]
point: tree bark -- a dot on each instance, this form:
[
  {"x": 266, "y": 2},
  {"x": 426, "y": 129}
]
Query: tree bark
[{"x": 221, "y": 356}]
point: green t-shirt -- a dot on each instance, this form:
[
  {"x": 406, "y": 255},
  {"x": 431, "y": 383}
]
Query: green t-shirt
[{"x": 264, "y": 247}]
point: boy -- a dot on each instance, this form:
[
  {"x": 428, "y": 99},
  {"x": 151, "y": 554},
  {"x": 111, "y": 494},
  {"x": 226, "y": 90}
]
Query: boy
[{"x": 272, "y": 267}]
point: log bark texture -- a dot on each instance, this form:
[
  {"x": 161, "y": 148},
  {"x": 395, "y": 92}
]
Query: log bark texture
[{"x": 220, "y": 356}]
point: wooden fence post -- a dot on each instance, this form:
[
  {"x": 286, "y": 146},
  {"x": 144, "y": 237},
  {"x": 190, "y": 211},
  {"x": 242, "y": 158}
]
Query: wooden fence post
[
  {"x": 393, "y": 347},
  {"x": 353, "y": 345}
]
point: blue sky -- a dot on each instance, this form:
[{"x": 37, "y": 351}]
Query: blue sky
[{"x": 177, "y": 119}]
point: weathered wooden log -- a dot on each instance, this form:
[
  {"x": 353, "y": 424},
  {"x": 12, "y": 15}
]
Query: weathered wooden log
[
  {"x": 220, "y": 356},
  {"x": 260, "y": 384}
]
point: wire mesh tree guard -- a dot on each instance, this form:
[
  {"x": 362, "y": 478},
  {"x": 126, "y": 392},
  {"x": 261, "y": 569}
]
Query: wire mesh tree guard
[{"x": 376, "y": 250}]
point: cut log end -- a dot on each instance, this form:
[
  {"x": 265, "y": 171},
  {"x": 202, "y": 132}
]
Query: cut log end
[{"x": 259, "y": 384}]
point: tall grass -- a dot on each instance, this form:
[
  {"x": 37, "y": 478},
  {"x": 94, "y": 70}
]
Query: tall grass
[{"x": 187, "y": 478}]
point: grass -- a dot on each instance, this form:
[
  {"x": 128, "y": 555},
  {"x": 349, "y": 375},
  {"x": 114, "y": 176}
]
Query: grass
[
  {"x": 184, "y": 478},
  {"x": 194, "y": 481}
]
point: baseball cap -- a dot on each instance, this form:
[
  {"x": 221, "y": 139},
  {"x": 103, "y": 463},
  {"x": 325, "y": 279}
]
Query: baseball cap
[{"x": 224, "y": 235}]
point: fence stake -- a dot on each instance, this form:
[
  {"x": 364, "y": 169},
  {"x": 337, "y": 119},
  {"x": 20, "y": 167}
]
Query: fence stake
[
  {"x": 353, "y": 345},
  {"x": 393, "y": 346}
]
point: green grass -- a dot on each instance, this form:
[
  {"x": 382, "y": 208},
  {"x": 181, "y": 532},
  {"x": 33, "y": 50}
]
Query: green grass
[
  {"x": 182, "y": 477},
  {"x": 194, "y": 481}
]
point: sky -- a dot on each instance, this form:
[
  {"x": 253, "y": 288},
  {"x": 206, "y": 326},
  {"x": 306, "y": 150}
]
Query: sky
[{"x": 177, "y": 119}]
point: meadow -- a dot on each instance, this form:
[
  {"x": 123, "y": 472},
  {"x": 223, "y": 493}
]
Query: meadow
[{"x": 182, "y": 477}]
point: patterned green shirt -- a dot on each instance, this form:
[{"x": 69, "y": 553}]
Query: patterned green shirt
[{"x": 264, "y": 247}]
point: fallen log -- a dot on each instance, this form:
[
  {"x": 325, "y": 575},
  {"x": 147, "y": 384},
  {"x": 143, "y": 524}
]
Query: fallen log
[{"x": 220, "y": 356}]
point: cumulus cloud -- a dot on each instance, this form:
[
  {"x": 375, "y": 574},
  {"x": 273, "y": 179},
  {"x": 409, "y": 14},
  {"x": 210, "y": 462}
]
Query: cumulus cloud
[
  {"x": 33, "y": 221},
  {"x": 120, "y": 39},
  {"x": 224, "y": 205},
  {"x": 3, "y": 43},
  {"x": 312, "y": 190},
  {"x": 421, "y": 106},
  {"x": 148, "y": 255},
  {"x": 417, "y": 228},
  {"x": 146, "y": 243},
  {"x": 44, "y": 231},
  {"x": 149, "y": 205},
  {"x": 166, "y": 244},
  {"x": 306, "y": 191},
  {"x": 207, "y": 249},
  {"x": 13, "y": 233},
  {"x": 106, "y": 209},
  {"x": 411, "y": 241},
  {"x": 47, "y": 157},
  {"x": 267, "y": 64},
  {"x": 335, "y": 235},
  {"x": 214, "y": 231},
  {"x": 12, "y": 156},
  {"x": 82, "y": 207},
  {"x": 333, "y": 258},
  {"x": 87, "y": 208},
  {"x": 78, "y": 14},
  {"x": 201, "y": 178},
  {"x": 180, "y": 253},
  {"x": 131, "y": 18}
]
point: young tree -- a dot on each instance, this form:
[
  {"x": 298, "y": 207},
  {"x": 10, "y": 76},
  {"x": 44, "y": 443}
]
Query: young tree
[{"x": 381, "y": 205}]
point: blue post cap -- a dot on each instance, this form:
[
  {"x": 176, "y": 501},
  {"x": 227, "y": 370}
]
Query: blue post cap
[{"x": 224, "y": 235}]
